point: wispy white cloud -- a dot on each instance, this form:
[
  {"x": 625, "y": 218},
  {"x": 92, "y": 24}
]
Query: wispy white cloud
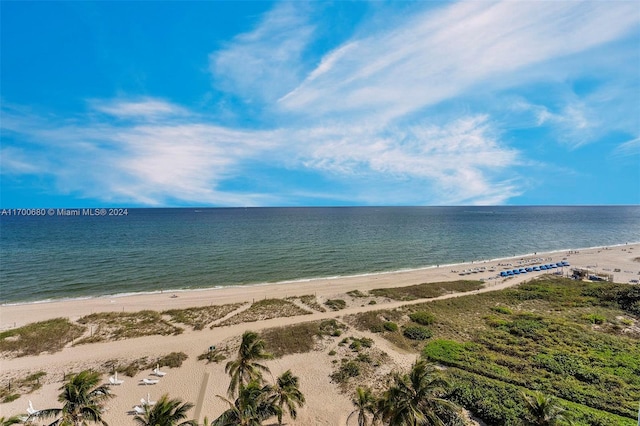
[
  {"x": 458, "y": 162},
  {"x": 576, "y": 124},
  {"x": 140, "y": 108},
  {"x": 187, "y": 160},
  {"x": 438, "y": 55},
  {"x": 15, "y": 162},
  {"x": 629, "y": 148},
  {"x": 363, "y": 117},
  {"x": 143, "y": 162},
  {"x": 263, "y": 64}
]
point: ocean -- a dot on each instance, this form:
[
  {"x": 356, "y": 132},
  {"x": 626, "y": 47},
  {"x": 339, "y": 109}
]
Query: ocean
[{"x": 55, "y": 254}]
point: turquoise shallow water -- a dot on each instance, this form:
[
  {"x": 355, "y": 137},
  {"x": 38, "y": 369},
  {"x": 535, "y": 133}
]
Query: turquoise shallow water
[{"x": 56, "y": 256}]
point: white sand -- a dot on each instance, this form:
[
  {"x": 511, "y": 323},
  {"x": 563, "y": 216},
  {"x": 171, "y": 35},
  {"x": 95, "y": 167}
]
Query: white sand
[{"x": 325, "y": 406}]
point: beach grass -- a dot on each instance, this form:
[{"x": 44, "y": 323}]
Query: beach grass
[
  {"x": 426, "y": 290},
  {"x": 263, "y": 310},
  {"x": 300, "y": 338},
  {"x": 356, "y": 294},
  {"x": 36, "y": 338},
  {"x": 359, "y": 362},
  {"x": 335, "y": 304},
  {"x": 200, "y": 317},
  {"x": 132, "y": 367},
  {"x": 373, "y": 321},
  {"x": 12, "y": 389},
  {"x": 309, "y": 300},
  {"x": 386, "y": 323},
  {"x": 217, "y": 355},
  {"x": 107, "y": 326}
]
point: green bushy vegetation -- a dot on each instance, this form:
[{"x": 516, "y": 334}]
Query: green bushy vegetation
[
  {"x": 390, "y": 326},
  {"x": 417, "y": 332},
  {"x": 500, "y": 404},
  {"x": 502, "y": 310},
  {"x": 359, "y": 343},
  {"x": 422, "y": 317},
  {"x": 346, "y": 370},
  {"x": 545, "y": 336}
]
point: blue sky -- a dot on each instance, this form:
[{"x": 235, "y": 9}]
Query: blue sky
[{"x": 313, "y": 103}]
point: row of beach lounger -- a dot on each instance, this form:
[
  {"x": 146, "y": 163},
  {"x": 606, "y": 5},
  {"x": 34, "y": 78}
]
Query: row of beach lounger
[{"x": 546, "y": 267}]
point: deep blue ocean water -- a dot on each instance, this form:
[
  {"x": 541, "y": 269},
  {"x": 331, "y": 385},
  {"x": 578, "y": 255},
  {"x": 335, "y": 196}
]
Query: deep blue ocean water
[{"x": 55, "y": 256}]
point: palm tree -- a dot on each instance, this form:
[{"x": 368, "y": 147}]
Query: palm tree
[
  {"x": 165, "y": 412},
  {"x": 415, "y": 398},
  {"x": 365, "y": 404},
  {"x": 543, "y": 410},
  {"x": 82, "y": 399},
  {"x": 286, "y": 392},
  {"x": 254, "y": 404},
  {"x": 246, "y": 367}
]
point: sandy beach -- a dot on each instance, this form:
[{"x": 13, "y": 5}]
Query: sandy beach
[{"x": 326, "y": 405}]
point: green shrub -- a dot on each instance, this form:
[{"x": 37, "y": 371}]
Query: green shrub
[
  {"x": 445, "y": 351},
  {"x": 10, "y": 398},
  {"x": 502, "y": 310},
  {"x": 212, "y": 356},
  {"x": 495, "y": 321},
  {"x": 132, "y": 368},
  {"x": 355, "y": 345},
  {"x": 595, "y": 318},
  {"x": 390, "y": 326},
  {"x": 331, "y": 327},
  {"x": 336, "y": 304},
  {"x": 172, "y": 360},
  {"x": 527, "y": 325},
  {"x": 364, "y": 358},
  {"x": 422, "y": 317},
  {"x": 496, "y": 403},
  {"x": 366, "y": 342},
  {"x": 417, "y": 332},
  {"x": 347, "y": 369}
]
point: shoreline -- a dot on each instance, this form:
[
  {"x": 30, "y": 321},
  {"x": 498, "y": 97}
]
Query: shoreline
[
  {"x": 304, "y": 280},
  {"x": 13, "y": 313},
  {"x": 327, "y": 405}
]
